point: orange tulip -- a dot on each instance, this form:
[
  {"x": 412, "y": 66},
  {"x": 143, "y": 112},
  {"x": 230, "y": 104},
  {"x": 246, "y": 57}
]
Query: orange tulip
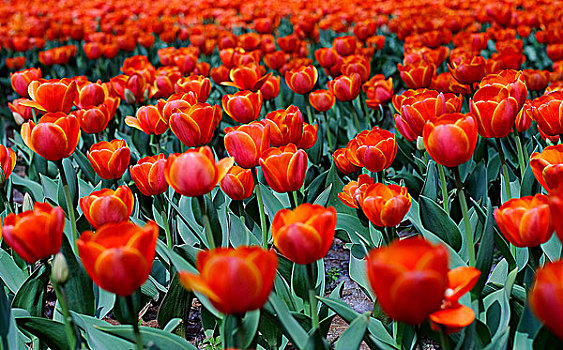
[
  {"x": 109, "y": 159},
  {"x": 536, "y": 79},
  {"x": 7, "y": 161},
  {"x": 186, "y": 63},
  {"x": 51, "y": 95},
  {"x": 271, "y": 88},
  {"x": 91, "y": 95},
  {"x": 119, "y": 257},
  {"x": 326, "y": 57},
  {"x": 238, "y": 184},
  {"x": 305, "y": 234},
  {"x": 286, "y": 126},
  {"x": 246, "y": 143},
  {"x": 345, "y": 45},
  {"x": 302, "y": 80},
  {"x": 309, "y": 136},
  {"x": 149, "y": 120},
  {"x": 284, "y": 168},
  {"x": 247, "y": 77},
  {"x": 342, "y": 162},
  {"x": 94, "y": 119},
  {"x": 385, "y": 206},
  {"x": 526, "y": 221},
  {"x": 545, "y": 297},
  {"x": 409, "y": 278},
  {"x": 175, "y": 103},
  {"x": 417, "y": 75},
  {"x": 15, "y": 63},
  {"x": 243, "y": 106},
  {"x": 194, "y": 126},
  {"x": 353, "y": 190},
  {"x": 322, "y": 100},
  {"x": 55, "y": 136},
  {"x": 20, "y": 112},
  {"x": 194, "y": 172},
  {"x": 525, "y": 117},
  {"x": 467, "y": 70},
  {"x": 132, "y": 89},
  {"x": 452, "y": 315},
  {"x": 547, "y": 167},
  {"x": 198, "y": 84},
  {"x": 148, "y": 175},
  {"x": 451, "y": 138},
  {"x": 20, "y": 80},
  {"x": 107, "y": 206},
  {"x": 93, "y": 50},
  {"x": 346, "y": 87},
  {"x": 356, "y": 64},
  {"x": 548, "y": 113},
  {"x": 373, "y": 149},
  {"x": 378, "y": 90},
  {"x": 35, "y": 234},
  {"x": 510, "y": 79},
  {"x": 495, "y": 111},
  {"x": 234, "y": 280}
]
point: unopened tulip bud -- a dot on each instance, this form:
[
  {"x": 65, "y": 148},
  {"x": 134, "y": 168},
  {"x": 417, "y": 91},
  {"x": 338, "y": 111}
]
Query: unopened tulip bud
[
  {"x": 59, "y": 272},
  {"x": 420, "y": 143},
  {"x": 129, "y": 96},
  {"x": 27, "y": 202}
]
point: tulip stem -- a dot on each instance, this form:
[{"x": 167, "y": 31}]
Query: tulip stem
[
  {"x": 309, "y": 114},
  {"x": 206, "y": 222},
  {"x": 156, "y": 141},
  {"x": 293, "y": 199},
  {"x": 355, "y": 115},
  {"x": 465, "y": 211},
  {"x": 165, "y": 221},
  {"x": 135, "y": 322},
  {"x": 444, "y": 341},
  {"x": 504, "y": 169},
  {"x": 328, "y": 133},
  {"x": 520, "y": 153},
  {"x": 69, "y": 204},
  {"x": 69, "y": 324},
  {"x": 260, "y": 208},
  {"x": 240, "y": 333},
  {"x": 312, "y": 296},
  {"x": 444, "y": 186},
  {"x": 381, "y": 176}
]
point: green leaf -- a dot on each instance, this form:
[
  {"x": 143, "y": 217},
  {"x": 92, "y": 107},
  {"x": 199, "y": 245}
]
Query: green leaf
[
  {"x": 10, "y": 272},
  {"x": 322, "y": 199},
  {"x": 353, "y": 336},
  {"x": 172, "y": 325},
  {"x": 498, "y": 313},
  {"x": 484, "y": 259},
  {"x": 299, "y": 283},
  {"x": 5, "y": 312},
  {"x": 292, "y": 328},
  {"x": 528, "y": 327},
  {"x": 437, "y": 221},
  {"x": 97, "y": 339},
  {"x": 336, "y": 185},
  {"x": 84, "y": 165},
  {"x": 25, "y": 185},
  {"x": 33, "y": 293},
  {"x": 49, "y": 331},
  {"x": 158, "y": 337},
  {"x": 176, "y": 303},
  {"x": 79, "y": 287},
  {"x": 431, "y": 183},
  {"x": 545, "y": 339}
]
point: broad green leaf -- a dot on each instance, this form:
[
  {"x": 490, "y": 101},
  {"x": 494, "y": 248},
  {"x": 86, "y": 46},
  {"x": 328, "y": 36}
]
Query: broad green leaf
[
  {"x": 158, "y": 337},
  {"x": 437, "y": 221},
  {"x": 353, "y": 336},
  {"x": 32, "y": 295},
  {"x": 292, "y": 328},
  {"x": 49, "y": 331},
  {"x": 10, "y": 272}
]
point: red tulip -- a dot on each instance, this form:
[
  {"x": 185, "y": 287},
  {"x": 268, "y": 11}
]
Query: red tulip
[{"x": 107, "y": 206}]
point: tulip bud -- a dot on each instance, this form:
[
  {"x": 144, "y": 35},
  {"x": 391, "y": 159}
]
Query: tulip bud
[
  {"x": 129, "y": 96},
  {"x": 59, "y": 272},
  {"x": 420, "y": 143},
  {"x": 27, "y": 202}
]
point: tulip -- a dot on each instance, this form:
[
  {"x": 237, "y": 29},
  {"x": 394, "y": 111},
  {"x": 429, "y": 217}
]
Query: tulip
[
  {"x": 175, "y": 103},
  {"x": 322, "y": 100},
  {"x": 353, "y": 190},
  {"x": 545, "y": 296},
  {"x": 119, "y": 257},
  {"x": 107, "y": 206},
  {"x": 243, "y": 106},
  {"x": 286, "y": 126},
  {"x": 20, "y": 112},
  {"x": 198, "y": 84},
  {"x": 345, "y": 45},
  {"x": 93, "y": 120},
  {"x": 467, "y": 70},
  {"x": 55, "y": 136},
  {"x": 7, "y": 161},
  {"x": 302, "y": 80},
  {"x": 373, "y": 149},
  {"x": 271, "y": 88},
  {"x": 275, "y": 60},
  {"x": 35, "y": 234},
  {"x": 525, "y": 117},
  {"x": 547, "y": 167},
  {"x": 305, "y": 234},
  {"x": 284, "y": 168},
  {"x": 342, "y": 162},
  {"x": 109, "y": 159},
  {"x": 510, "y": 79},
  {"x": 246, "y": 143},
  {"x": 194, "y": 126},
  {"x": 247, "y": 78},
  {"x": 417, "y": 75},
  {"x": 91, "y": 95},
  {"x": 132, "y": 88},
  {"x": 20, "y": 80},
  {"x": 247, "y": 277},
  {"x": 309, "y": 136},
  {"x": 346, "y": 88},
  {"x": 451, "y": 138},
  {"x": 536, "y": 79},
  {"x": 149, "y": 120},
  {"x": 452, "y": 315},
  {"x": 548, "y": 113},
  {"x": 356, "y": 64},
  {"x": 15, "y": 63},
  {"x": 526, "y": 221},
  {"x": 495, "y": 111},
  {"x": 409, "y": 278},
  {"x": 148, "y": 175},
  {"x": 238, "y": 184},
  {"x": 186, "y": 63},
  {"x": 93, "y": 50},
  {"x": 378, "y": 90},
  {"x": 326, "y": 57},
  {"x": 385, "y": 205},
  {"x": 51, "y": 95},
  {"x": 194, "y": 172}
]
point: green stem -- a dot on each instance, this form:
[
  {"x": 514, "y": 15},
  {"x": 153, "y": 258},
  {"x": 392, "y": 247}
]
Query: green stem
[
  {"x": 444, "y": 186},
  {"x": 293, "y": 199},
  {"x": 95, "y": 137},
  {"x": 7, "y": 203},
  {"x": 328, "y": 133},
  {"x": 135, "y": 322},
  {"x": 363, "y": 107},
  {"x": 206, "y": 222},
  {"x": 309, "y": 114},
  {"x": 312, "y": 296},
  {"x": 69, "y": 324},
  {"x": 355, "y": 116},
  {"x": 398, "y": 331},
  {"x": 521, "y": 161},
  {"x": 260, "y": 209},
  {"x": 381, "y": 176},
  {"x": 504, "y": 169},
  {"x": 240, "y": 333},
  {"x": 444, "y": 340},
  {"x": 165, "y": 222},
  {"x": 156, "y": 141},
  {"x": 69, "y": 204},
  {"x": 465, "y": 211},
  {"x": 241, "y": 212}
]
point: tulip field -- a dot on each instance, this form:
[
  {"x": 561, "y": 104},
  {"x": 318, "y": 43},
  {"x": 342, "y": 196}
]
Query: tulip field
[{"x": 276, "y": 174}]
